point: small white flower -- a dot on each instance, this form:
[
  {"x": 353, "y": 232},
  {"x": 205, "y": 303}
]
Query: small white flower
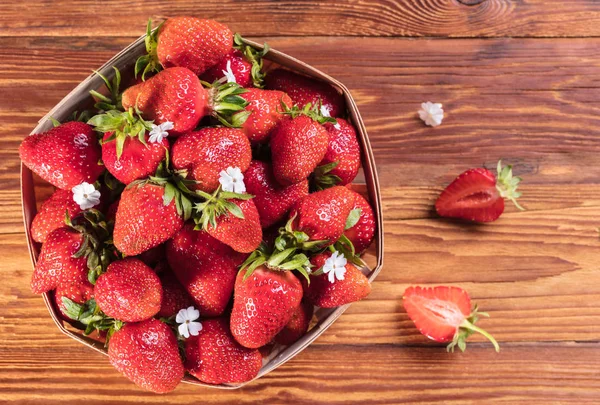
[
  {"x": 325, "y": 111},
  {"x": 186, "y": 318},
  {"x": 86, "y": 195},
  {"x": 229, "y": 73},
  {"x": 159, "y": 132},
  {"x": 335, "y": 267},
  {"x": 431, "y": 113},
  {"x": 232, "y": 180}
]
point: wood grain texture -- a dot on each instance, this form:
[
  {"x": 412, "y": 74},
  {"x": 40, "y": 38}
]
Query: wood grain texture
[{"x": 406, "y": 18}]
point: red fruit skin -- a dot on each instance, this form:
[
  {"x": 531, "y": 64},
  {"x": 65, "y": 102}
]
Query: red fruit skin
[
  {"x": 263, "y": 305},
  {"x": 362, "y": 233},
  {"x": 266, "y": 112},
  {"x": 343, "y": 148},
  {"x": 143, "y": 221},
  {"x": 193, "y": 43},
  {"x": 214, "y": 357},
  {"x": 321, "y": 293},
  {"x": 78, "y": 293},
  {"x": 147, "y": 353},
  {"x": 298, "y": 145},
  {"x": 241, "y": 68},
  {"x": 322, "y": 215},
  {"x": 424, "y": 306},
  {"x": 472, "y": 196},
  {"x": 129, "y": 291},
  {"x": 56, "y": 264},
  {"x": 138, "y": 161},
  {"x": 174, "y": 95},
  {"x": 243, "y": 235},
  {"x": 205, "y": 267},
  {"x": 175, "y": 297},
  {"x": 207, "y": 152},
  {"x": 65, "y": 156},
  {"x": 272, "y": 200},
  {"x": 297, "y": 326},
  {"x": 304, "y": 90},
  {"x": 51, "y": 215},
  {"x": 153, "y": 256}
]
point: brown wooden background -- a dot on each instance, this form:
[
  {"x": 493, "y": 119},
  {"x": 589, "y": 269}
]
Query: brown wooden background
[{"x": 519, "y": 80}]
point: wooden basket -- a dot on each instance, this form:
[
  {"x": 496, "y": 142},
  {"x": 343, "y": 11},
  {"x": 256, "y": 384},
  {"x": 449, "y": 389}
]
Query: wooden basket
[{"x": 125, "y": 60}]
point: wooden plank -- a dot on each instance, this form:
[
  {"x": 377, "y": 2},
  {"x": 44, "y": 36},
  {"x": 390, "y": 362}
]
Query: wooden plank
[{"x": 409, "y": 18}]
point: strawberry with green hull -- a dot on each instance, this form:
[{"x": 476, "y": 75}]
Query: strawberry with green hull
[
  {"x": 147, "y": 353},
  {"x": 214, "y": 357},
  {"x": 51, "y": 215},
  {"x": 444, "y": 314},
  {"x": 361, "y": 233},
  {"x": 265, "y": 111},
  {"x": 78, "y": 293},
  {"x": 476, "y": 195},
  {"x": 304, "y": 90},
  {"x": 297, "y": 326},
  {"x": 129, "y": 291},
  {"x": 65, "y": 156}
]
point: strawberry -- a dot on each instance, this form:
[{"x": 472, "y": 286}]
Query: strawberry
[
  {"x": 147, "y": 353},
  {"x": 189, "y": 42},
  {"x": 51, "y": 215},
  {"x": 361, "y": 233},
  {"x": 297, "y": 326},
  {"x": 335, "y": 282},
  {"x": 272, "y": 200},
  {"x": 205, "y": 153},
  {"x": 65, "y": 156},
  {"x": 154, "y": 256},
  {"x": 342, "y": 159},
  {"x": 78, "y": 293},
  {"x": 204, "y": 267},
  {"x": 476, "y": 195},
  {"x": 444, "y": 314},
  {"x": 214, "y": 357},
  {"x": 304, "y": 90},
  {"x": 298, "y": 144},
  {"x": 265, "y": 112},
  {"x": 129, "y": 291},
  {"x": 143, "y": 221},
  {"x": 264, "y": 301},
  {"x": 175, "y": 297}
]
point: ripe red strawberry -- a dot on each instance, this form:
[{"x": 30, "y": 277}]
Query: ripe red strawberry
[
  {"x": 205, "y": 267},
  {"x": 175, "y": 297},
  {"x": 304, "y": 90},
  {"x": 476, "y": 195},
  {"x": 129, "y": 291},
  {"x": 322, "y": 215},
  {"x": 342, "y": 160},
  {"x": 147, "y": 353},
  {"x": 207, "y": 152},
  {"x": 154, "y": 256},
  {"x": 297, "y": 326},
  {"x": 298, "y": 144},
  {"x": 143, "y": 221},
  {"x": 65, "y": 156},
  {"x": 51, "y": 215},
  {"x": 265, "y": 112},
  {"x": 323, "y": 293},
  {"x": 272, "y": 200},
  {"x": 56, "y": 264},
  {"x": 214, "y": 357},
  {"x": 362, "y": 233},
  {"x": 444, "y": 314},
  {"x": 263, "y": 304},
  {"x": 78, "y": 293},
  {"x": 233, "y": 63}
]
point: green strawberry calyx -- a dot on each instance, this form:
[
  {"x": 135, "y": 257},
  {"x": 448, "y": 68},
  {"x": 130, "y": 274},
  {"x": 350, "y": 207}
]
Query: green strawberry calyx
[
  {"x": 255, "y": 57},
  {"x": 467, "y": 328},
  {"x": 507, "y": 185},
  {"x": 308, "y": 110},
  {"x": 113, "y": 101},
  {"x": 277, "y": 260},
  {"x": 226, "y": 104},
  {"x": 323, "y": 178},
  {"x": 291, "y": 238},
  {"x": 215, "y": 205},
  {"x": 149, "y": 63},
  {"x": 90, "y": 315}
]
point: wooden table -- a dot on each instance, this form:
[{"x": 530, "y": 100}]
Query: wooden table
[{"x": 519, "y": 80}]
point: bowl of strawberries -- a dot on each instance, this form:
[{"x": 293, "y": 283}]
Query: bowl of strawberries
[{"x": 201, "y": 208}]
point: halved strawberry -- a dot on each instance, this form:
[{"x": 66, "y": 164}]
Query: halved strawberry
[
  {"x": 476, "y": 195},
  {"x": 444, "y": 314}
]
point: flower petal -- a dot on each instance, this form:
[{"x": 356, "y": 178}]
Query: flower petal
[
  {"x": 194, "y": 328},
  {"x": 183, "y": 330}
]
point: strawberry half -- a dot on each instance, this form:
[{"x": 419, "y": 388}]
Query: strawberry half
[
  {"x": 476, "y": 195},
  {"x": 444, "y": 314}
]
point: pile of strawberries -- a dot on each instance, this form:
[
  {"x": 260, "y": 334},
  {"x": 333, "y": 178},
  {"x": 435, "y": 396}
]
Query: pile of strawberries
[{"x": 203, "y": 212}]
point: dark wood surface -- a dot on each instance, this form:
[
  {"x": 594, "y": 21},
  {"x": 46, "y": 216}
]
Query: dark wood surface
[{"x": 513, "y": 87}]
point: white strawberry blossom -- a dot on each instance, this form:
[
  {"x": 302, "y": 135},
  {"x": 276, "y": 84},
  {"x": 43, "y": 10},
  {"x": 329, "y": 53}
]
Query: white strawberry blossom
[
  {"x": 325, "y": 111},
  {"x": 229, "y": 73},
  {"x": 431, "y": 113},
  {"x": 186, "y": 318},
  {"x": 159, "y": 132},
  {"x": 232, "y": 180},
  {"x": 86, "y": 195},
  {"x": 335, "y": 267}
]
